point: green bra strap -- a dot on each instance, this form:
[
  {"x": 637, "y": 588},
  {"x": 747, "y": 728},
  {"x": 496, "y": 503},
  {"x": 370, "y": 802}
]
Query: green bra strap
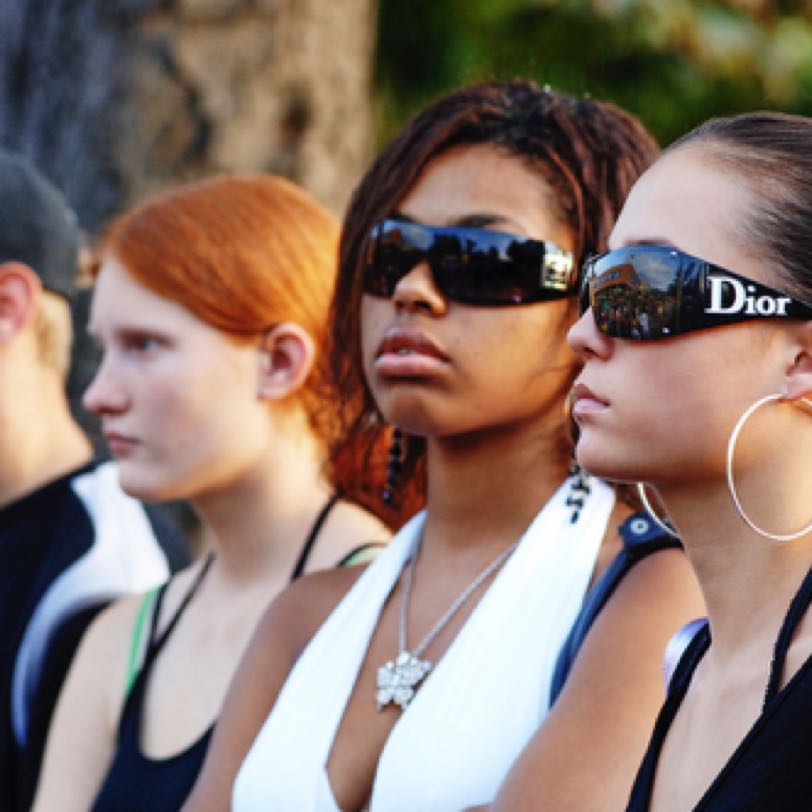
[
  {"x": 144, "y": 611},
  {"x": 364, "y": 554}
]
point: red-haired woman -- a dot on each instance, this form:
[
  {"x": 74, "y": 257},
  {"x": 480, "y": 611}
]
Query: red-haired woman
[{"x": 210, "y": 306}]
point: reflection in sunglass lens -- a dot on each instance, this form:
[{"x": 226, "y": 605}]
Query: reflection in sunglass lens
[
  {"x": 390, "y": 254},
  {"x": 469, "y": 265},
  {"x": 655, "y": 291},
  {"x": 634, "y": 295},
  {"x": 496, "y": 268}
]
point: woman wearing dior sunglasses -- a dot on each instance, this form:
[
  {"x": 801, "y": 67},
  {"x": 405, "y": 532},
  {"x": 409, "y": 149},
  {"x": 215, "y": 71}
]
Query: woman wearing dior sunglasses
[
  {"x": 415, "y": 686},
  {"x": 713, "y": 408}
]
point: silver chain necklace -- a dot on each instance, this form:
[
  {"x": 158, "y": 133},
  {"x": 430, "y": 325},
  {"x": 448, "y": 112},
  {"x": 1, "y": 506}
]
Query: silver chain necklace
[{"x": 398, "y": 679}]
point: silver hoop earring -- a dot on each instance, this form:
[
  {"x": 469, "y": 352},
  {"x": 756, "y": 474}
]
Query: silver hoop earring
[
  {"x": 731, "y": 485},
  {"x": 662, "y": 524}
]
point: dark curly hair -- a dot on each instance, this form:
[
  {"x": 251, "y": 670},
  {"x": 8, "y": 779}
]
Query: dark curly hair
[{"x": 589, "y": 152}]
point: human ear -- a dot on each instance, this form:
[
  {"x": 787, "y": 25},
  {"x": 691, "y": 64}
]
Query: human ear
[
  {"x": 20, "y": 291},
  {"x": 287, "y": 355},
  {"x": 799, "y": 375}
]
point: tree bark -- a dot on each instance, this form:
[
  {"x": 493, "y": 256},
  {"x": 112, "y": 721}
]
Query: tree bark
[{"x": 115, "y": 98}]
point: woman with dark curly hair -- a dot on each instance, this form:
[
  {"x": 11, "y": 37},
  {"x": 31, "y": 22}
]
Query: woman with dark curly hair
[{"x": 417, "y": 684}]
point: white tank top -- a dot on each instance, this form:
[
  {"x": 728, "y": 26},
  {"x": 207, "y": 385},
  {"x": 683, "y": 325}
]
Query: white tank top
[{"x": 476, "y": 709}]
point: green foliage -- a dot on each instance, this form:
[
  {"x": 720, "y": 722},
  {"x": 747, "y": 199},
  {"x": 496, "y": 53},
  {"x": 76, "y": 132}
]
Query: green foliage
[{"x": 672, "y": 62}]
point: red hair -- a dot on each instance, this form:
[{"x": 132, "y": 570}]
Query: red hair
[{"x": 242, "y": 253}]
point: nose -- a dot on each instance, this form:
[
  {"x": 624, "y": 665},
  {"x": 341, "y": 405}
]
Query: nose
[
  {"x": 105, "y": 394},
  {"x": 586, "y": 341},
  {"x": 417, "y": 291}
]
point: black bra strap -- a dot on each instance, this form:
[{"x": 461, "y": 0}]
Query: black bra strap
[
  {"x": 154, "y": 643},
  {"x": 797, "y": 609},
  {"x": 311, "y": 536}
]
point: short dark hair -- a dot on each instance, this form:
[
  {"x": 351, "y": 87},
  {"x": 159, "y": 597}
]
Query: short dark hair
[
  {"x": 38, "y": 227},
  {"x": 589, "y": 152},
  {"x": 772, "y": 152}
]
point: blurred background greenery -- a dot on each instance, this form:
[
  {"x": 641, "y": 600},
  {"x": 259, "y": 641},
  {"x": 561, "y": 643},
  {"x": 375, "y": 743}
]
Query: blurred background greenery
[{"x": 672, "y": 62}]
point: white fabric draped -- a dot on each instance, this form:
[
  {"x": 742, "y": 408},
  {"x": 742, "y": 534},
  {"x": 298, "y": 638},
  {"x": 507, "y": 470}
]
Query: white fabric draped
[{"x": 477, "y": 708}]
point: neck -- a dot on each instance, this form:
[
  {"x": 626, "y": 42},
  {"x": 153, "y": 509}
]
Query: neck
[
  {"x": 39, "y": 439},
  {"x": 257, "y": 524},
  {"x": 747, "y": 580},
  {"x": 486, "y": 488}
]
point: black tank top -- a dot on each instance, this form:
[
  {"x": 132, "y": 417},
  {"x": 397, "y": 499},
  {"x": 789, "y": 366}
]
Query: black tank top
[
  {"x": 135, "y": 782},
  {"x": 771, "y": 769}
]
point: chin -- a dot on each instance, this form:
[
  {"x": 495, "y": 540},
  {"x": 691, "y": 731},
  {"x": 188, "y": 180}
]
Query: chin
[
  {"x": 412, "y": 415},
  {"x": 146, "y": 487},
  {"x": 145, "y": 493},
  {"x": 599, "y": 462}
]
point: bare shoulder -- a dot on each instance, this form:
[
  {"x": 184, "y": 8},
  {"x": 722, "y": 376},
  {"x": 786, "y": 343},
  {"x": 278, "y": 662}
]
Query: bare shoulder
[
  {"x": 98, "y": 673},
  {"x": 366, "y": 526},
  {"x": 656, "y": 597},
  {"x": 113, "y": 619},
  {"x": 610, "y": 700},
  {"x": 287, "y": 626},
  {"x": 91, "y": 700},
  {"x": 283, "y": 632},
  {"x": 285, "y": 629},
  {"x": 107, "y": 638},
  {"x": 296, "y": 614},
  {"x": 110, "y": 638},
  {"x": 662, "y": 576},
  {"x": 347, "y": 528}
]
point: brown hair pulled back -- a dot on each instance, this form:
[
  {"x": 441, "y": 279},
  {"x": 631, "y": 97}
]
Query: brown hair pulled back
[
  {"x": 589, "y": 152},
  {"x": 772, "y": 153}
]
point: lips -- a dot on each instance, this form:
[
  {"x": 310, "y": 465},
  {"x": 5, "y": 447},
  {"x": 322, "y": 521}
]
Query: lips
[
  {"x": 119, "y": 444},
  {"x": 408, "y": 352},
  {"x": 586, "y": 402}
]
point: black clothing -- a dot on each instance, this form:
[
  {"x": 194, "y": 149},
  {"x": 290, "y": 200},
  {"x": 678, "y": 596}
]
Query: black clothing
[
  {"x": 641, "y": 537},
  {"x": 66, "y": 550},
  {"x": 151, "y": 784},
  {"x": 770, "y": 769},
  {"x": 136, "y": 783}
]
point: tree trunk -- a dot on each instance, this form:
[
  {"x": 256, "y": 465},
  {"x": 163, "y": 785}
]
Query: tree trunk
[{"x": 116, "y": 98}]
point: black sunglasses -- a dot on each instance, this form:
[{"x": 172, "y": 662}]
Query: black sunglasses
[
  {"x": 648, "y": 292},
  {"x": 470, "y": 265}
]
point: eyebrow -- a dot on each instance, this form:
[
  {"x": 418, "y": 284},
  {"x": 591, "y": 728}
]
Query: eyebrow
[
  {"x": 473, "y": 220},
  {"x": 657, "y": 242},
  {"x": 128, "y": 331}
]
